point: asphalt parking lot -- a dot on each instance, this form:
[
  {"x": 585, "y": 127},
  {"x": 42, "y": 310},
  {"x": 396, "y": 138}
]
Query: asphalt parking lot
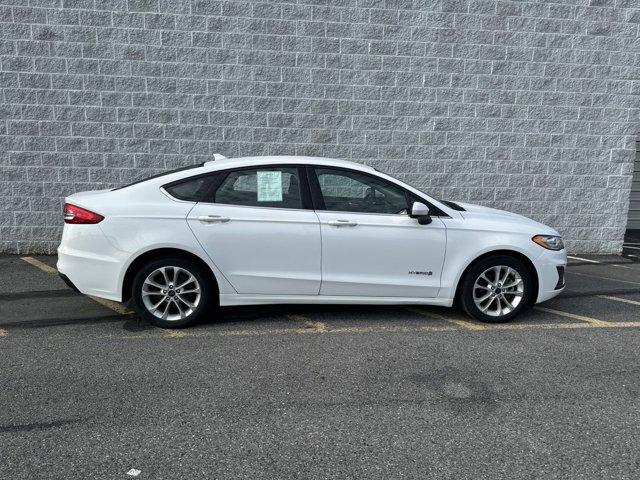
[{"x": 88, "y": 391}]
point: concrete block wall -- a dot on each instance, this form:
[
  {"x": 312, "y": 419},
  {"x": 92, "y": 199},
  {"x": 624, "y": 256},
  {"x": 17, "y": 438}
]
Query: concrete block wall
[{"x": 531, "y": 106}]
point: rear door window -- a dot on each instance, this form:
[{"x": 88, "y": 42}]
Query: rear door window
[{"x": 275, "y": 187}]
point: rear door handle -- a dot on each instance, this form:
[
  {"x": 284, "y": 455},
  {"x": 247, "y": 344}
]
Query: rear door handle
[
  {"x": 342, "y": 223},
  {"x": 213, "y": 219}
]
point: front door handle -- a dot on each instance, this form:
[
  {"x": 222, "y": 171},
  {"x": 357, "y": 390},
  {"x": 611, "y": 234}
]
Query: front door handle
[
  {"x": 213, "y": 219},
  {"x": 342, "y": 223}
]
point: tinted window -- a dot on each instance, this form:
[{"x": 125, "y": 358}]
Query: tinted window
[
  {"x": 348, "y": 191},
  {"x": 261, "y": 187},
  {"x": 189, "y": 190}
]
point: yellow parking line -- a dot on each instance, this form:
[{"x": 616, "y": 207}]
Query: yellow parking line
[
  {"x": 41, "y": 265},
  {"x": 456, "y": 321},
  {"x": 291, "y": 331},
  {"x": 394, "y": 329},
  {"x": 375, "y": 329},
  {"x": 465, "y": 324},
  {"x": 115, "y": 306},
  {"x": 592, "y": 321},
  {"x": 316, "y": 326},
  {"x": 319, "y": 327},
  {"x": 618, "y": 299},
  {"x": 227, "y": 333},
  {"x": 175, "y": 334}
]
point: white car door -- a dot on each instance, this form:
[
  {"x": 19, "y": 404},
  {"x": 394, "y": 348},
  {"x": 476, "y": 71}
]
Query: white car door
[
  {"x": 259, "y": 230},
  {"x": 370, "y": 245}
]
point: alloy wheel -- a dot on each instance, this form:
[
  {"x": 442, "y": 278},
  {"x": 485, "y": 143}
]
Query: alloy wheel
[
  {"x": 498, "y": 290},
  {"x": 171, "y": 293}
]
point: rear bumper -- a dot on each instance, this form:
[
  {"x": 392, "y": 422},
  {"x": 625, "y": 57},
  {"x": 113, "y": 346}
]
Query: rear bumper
[
  {"x": 69, "y": 283},
  {"x": 86, "y": 271}
]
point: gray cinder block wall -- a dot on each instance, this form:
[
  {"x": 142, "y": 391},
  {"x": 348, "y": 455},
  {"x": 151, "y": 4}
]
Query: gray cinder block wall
[{"x": 531, "y": 106}]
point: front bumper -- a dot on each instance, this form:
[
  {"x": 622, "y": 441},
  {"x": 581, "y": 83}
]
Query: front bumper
[{"x": 551, "y": 268}]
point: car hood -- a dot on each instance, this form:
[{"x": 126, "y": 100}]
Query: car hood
[{"x": 493, "y": 215}]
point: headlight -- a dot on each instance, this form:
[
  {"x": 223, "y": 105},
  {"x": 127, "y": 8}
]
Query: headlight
[{"x": 550, "y": 242}]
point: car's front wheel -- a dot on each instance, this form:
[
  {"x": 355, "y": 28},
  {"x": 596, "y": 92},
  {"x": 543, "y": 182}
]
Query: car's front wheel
[
  {"x": 496, "y": 289},
  {"x": 172, "y": 292}
]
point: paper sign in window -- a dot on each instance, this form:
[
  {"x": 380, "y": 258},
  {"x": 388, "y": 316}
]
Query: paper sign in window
[{"x": 269, "y": 186}]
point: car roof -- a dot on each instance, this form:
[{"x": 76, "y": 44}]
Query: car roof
[{"x": 227, "y": 163}]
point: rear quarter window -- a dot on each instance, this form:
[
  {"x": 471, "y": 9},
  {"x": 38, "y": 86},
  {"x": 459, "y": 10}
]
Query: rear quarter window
[{"x": 190, "y": 189}]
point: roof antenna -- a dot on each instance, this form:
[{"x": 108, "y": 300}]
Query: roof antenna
[{"x": 218, "y": 156}]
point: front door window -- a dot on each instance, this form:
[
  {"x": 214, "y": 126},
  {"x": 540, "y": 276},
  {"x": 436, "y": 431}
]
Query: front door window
[{"x": 349, "y": 191}]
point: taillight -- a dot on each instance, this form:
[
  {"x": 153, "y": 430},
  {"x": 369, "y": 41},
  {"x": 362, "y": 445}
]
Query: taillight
[{"x": 75, "y": 214}]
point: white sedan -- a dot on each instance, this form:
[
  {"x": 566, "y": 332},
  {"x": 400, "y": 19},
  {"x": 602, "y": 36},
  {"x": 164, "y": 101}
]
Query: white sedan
[{"x": 288, "y": 229}]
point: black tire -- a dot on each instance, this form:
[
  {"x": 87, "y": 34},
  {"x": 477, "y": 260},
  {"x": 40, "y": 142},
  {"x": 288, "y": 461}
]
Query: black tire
[
  {"x": 473, "y": 273},
  {"x": 207, "y": 301}
]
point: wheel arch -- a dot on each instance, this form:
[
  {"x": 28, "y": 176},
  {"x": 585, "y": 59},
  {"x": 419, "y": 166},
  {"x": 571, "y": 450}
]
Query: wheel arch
[
  {"x": 158, "y": 253},
  {"x": 512, "y": 253}
]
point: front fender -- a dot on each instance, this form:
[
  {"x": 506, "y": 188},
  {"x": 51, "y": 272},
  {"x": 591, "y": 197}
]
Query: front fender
[{"x": 464, "y": 247}]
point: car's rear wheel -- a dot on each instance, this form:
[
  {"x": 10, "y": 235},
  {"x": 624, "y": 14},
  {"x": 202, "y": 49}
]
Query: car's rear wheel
[
  {"x": 496, "y": 289},
  {"x": 172, "y": 292}
]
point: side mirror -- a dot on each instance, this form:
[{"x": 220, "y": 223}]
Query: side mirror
[{"x": 421, "y": 212}]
